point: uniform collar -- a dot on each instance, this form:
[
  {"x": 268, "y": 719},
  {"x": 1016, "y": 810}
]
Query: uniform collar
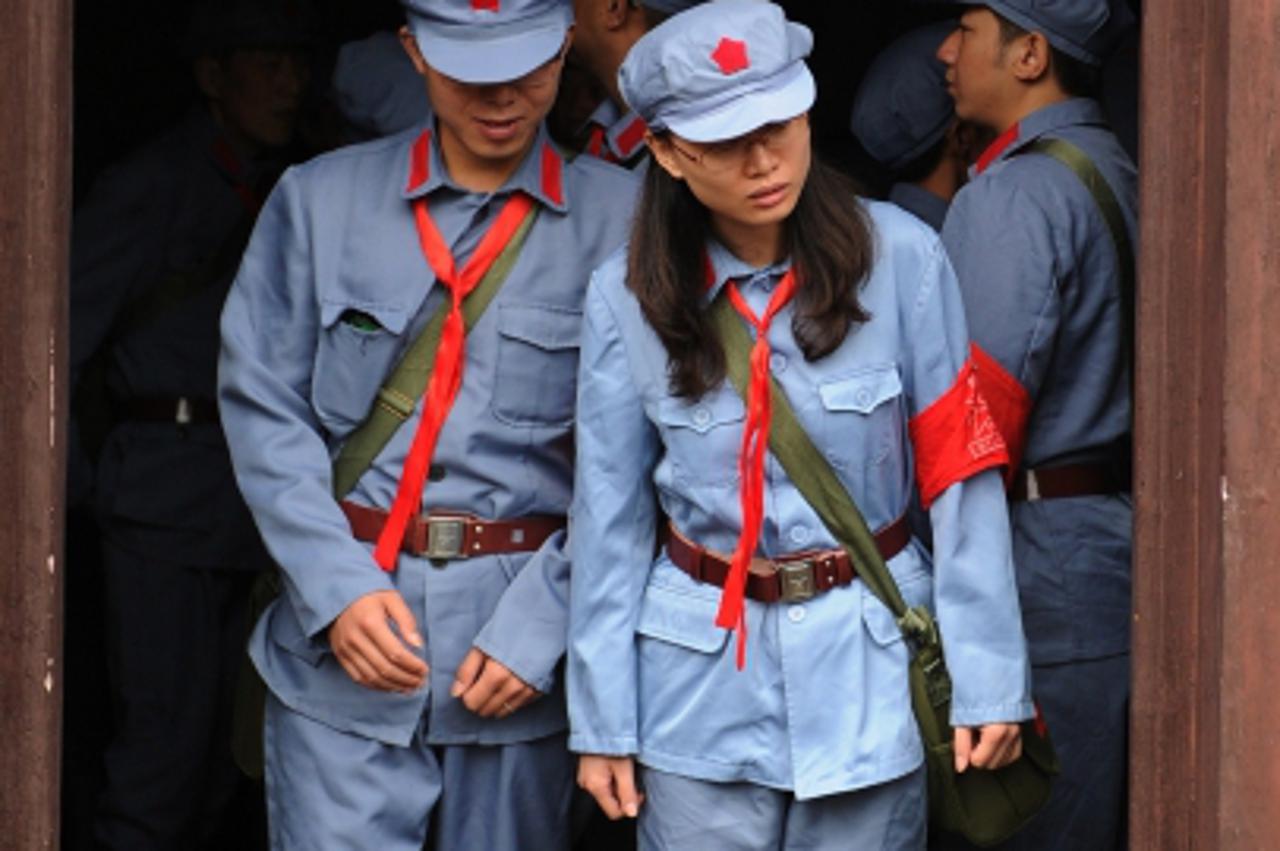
[
  {"x": 1043, "y": 122},
  {"x": 540, "y": 174},
  {"x": 920, "y": 202},
  {"x": 623, "y": 131},
  {"x": 724, "y": 266}
]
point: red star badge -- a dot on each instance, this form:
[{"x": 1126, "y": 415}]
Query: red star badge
[
  {"x": 731, "y": 55},
  {"x": 485, "y": 5}
]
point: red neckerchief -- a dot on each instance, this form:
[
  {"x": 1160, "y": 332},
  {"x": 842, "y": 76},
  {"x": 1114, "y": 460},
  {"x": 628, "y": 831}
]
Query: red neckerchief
[
  {"x": 996, "y": 148},
  {"x": 446, "y": 373},
  {"x": 755, "y": 444}
]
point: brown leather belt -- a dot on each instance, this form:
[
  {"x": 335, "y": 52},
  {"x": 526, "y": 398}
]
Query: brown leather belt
[
  {"x": 444, "y": 535},
  {"x": 177, "y": 410},
  {"x": 1067, "y": 481},
  {"x": 793, "y": 579}
]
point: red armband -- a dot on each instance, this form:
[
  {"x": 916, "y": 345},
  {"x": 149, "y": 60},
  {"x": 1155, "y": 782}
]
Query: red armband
[
  {"x": 1008, "y": 401},
  {"x": 956, "y": 437}
]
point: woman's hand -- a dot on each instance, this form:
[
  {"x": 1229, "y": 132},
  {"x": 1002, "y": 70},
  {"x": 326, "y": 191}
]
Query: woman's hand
[
  {"x": 611, "y": 780},
  {"x": 990, "y": 746}
]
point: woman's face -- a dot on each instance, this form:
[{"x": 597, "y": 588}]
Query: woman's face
[{"x": 750, "y": 181}]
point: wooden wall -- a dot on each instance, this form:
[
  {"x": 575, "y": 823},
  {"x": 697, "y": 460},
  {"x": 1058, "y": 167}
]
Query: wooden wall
[
  {"x": 35, "y": 192},
  {"x": 1205, "y": 754}
]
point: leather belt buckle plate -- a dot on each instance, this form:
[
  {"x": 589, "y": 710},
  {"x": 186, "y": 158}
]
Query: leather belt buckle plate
[
  {"x": 1033, "y": 486},
  {"x": 446, "y": 537},
  {"x": 796, "y": 581}
]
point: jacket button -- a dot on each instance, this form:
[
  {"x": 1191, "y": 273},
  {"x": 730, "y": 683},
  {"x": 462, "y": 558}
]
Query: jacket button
[
  {"x": 435, "y": 473},
  {"x": 800, "y": 534},
  {"x": 796, "y": 614},
  {"x": 701, "y": 417},
  {"x": 777, "y": 362}
]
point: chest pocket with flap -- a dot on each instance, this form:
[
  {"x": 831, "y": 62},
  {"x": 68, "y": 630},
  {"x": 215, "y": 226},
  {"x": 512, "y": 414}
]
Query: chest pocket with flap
[
  {"x": 537, "y": 364},
  {"x": 862, "y": 417},
  {"x": 356, "y": 350}
]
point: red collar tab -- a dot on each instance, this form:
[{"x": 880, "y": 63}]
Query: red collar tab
[
  {"x": 419, "y": 162},
  {"x": 486, "y": 5},
  {"x": 731, "y": 56},
  {"x": 628, "y": 140},
  {"x": 552, "y": 174},
  {"x": 998, "y": 147}
]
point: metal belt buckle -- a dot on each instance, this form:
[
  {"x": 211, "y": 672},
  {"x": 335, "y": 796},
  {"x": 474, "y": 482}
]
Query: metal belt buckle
[
  {"x": 796, "y": 578},
  {"x": 1033, "y": 486},
  {"x": 446, "y": 537}
]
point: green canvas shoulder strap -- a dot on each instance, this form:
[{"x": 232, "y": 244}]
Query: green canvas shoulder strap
[
  {"x": 810, "y": 471},
  {"x": 1108, "y": 205},
  {"x": 398, "y": 396},
  {"x": 821, "y": 487}
]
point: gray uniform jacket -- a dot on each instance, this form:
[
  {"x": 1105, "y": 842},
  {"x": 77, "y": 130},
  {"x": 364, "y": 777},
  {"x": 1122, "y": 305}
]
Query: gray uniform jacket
[
  {"x": 337, "y": 240},
  {"x": 1041, "y": 282}
]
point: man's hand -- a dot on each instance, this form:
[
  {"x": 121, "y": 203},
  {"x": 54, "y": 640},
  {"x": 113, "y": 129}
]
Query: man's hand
[
  {"x": 370, "y": 652},
  {"x": 611, "y": 780},
  {"x": 997, "y": 745},
  {"x": 488, "y": 688}
]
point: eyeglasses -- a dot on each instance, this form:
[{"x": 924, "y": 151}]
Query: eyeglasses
[{"x": 732, "y": 153}]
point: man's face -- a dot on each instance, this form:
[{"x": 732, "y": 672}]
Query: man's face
[
  {"x": 495, "y": 122},
  {"x": 978, "y": 73},
  {"x": 258, "y": 92}
]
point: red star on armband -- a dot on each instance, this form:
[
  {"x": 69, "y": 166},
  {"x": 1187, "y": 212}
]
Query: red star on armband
[
  {"x": 485, "y": 5},
  {"x": 731, "y": 56}
]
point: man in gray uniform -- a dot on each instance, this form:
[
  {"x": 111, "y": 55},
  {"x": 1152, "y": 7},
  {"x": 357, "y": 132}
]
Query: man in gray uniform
[
  {"x": 155, "y": 246},
  {"x": 905, "y": 119},
  {"x": 414, "y": 658},
  {"x": 1045, "y": 266}
]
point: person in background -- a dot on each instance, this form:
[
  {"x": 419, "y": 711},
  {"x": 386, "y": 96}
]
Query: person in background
[
  {"x": 607, "y": 29},
  {"x": 1047, "y": 286},
  {"x": 805, "y": 738},
  {"x": 413, "y": 659},
  {"x": 155, "y": 246},
  {"x": 903, "y": 116}
]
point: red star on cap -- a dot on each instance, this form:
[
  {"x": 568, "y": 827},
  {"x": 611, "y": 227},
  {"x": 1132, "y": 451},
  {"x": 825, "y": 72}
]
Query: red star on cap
[
  {"x": 731, "y": 55},
  {"x": 485, "y": 5}
]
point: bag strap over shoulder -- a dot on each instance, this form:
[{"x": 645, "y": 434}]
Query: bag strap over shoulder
[
  {"x": 1087, "y": 171},
  {"x": 821, "y": 487},
  {"x": 810, "y": 471},
  {"x": 398, "y": 396}
]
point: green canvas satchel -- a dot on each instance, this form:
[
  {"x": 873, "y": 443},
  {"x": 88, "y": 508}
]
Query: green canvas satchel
[
  {"x": 984, "y": 806},
  {"x": 393, "y": 405}
]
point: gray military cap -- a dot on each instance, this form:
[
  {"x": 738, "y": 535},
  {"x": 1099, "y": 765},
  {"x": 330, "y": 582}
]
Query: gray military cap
[
  {"x": 902, "y": 108},
  {"x": 1083, "y": 29},
  {"x": 719, "y": 70},
  {"x": 488, "y": 41}
]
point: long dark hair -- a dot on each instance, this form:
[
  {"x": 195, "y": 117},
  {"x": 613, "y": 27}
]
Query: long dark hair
[{"x": 828, "y": 237}]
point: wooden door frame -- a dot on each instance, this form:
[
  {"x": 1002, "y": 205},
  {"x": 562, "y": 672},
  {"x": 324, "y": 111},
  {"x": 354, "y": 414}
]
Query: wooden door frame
[
  {"x": 35, "y": 185},
  {"x": 1205, "y": 752}
]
